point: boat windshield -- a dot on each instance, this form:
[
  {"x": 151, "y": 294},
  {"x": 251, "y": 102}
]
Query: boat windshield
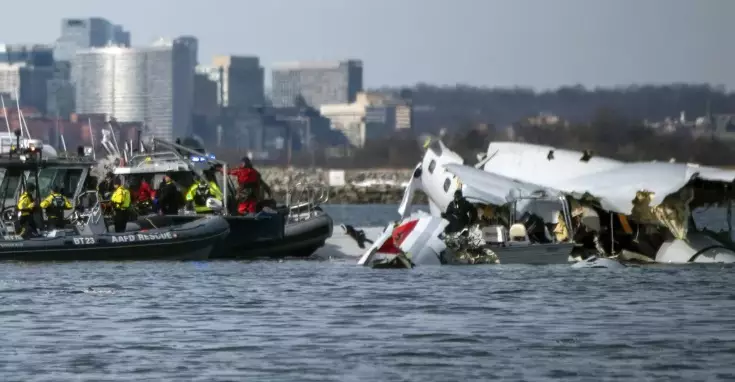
[
  {"x": 9, "y": 184},
  {"x": 67, "y": 178}
]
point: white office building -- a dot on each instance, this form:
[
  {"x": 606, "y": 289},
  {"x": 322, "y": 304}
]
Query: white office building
[{"x": 153, "y": 85}]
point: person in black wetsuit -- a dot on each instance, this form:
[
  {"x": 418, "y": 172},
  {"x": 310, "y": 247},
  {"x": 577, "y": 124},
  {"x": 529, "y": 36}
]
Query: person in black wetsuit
[
  {"x": 106, "y": 187},
  {"x": 169, "y": 197},
  {"x": 460, "y": 213}
]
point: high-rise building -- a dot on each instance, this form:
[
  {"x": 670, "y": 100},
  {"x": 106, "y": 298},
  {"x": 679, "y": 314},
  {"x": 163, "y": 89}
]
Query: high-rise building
[
  {"x": 240, "y": 80},
  {"x": 205, "y": 93},
  {"x": 25, "y": 69},
  {"x": 153, "y": 85},
  {"x": 87, "y": 33},
  {"x": 316, "y": 83},
  {"x": 60, "y": 91}
]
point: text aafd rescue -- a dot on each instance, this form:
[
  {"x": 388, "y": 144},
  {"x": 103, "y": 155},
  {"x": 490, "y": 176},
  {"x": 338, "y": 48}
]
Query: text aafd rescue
[{"x": 142, "y": 237}]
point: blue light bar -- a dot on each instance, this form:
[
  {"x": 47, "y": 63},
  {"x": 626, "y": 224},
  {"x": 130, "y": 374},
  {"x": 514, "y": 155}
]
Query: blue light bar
[{"x": 196, "y": 158}]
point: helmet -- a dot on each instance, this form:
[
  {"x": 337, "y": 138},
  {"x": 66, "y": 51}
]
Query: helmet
[
  {"x": 203, "y": 185},
  {"x": 214, "y": 204}
]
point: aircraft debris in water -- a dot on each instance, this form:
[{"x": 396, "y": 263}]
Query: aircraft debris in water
[{"x": 601, "y": 211}]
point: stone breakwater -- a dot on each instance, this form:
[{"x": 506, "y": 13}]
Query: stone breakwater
[{"x": 374, "y": 186}]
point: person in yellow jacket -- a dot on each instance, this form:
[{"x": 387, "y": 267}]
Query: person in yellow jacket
[
  {"x": 198, "y": 194},
  {"x": 55, "y": 204},
  {"x": 26, "y": 205},
  {"x": 120, "y": 200}
]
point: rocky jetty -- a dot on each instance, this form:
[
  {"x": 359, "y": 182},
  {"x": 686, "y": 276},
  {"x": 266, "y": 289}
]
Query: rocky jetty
[{"x": 374, "y": 186}]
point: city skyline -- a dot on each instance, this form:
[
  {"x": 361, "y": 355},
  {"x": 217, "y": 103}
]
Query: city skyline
[{"x": 491, "y": 43}]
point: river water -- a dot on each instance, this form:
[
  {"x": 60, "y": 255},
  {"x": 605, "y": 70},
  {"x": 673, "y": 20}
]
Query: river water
[{"x": 333, "y": 321}]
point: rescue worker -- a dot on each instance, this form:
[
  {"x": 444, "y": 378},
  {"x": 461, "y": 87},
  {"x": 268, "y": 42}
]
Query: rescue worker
[
  {"x": 26, "y": 205},
  {"x": 55, "y": 204},
  {"x": 535, "y": 227},
  {"x": 460, "y": 213},
  {"x": 106, "y": 186},
  {"x": 212, "y": 180},
  {"x": 168, "y": 196},
  {"x": 250, "y": 178},
  {"x": 141, "y": 194},
  {"x": 105, "y": 189},
  {"x": 120, "y": 200},
  {"x": 196, "y": 197}
]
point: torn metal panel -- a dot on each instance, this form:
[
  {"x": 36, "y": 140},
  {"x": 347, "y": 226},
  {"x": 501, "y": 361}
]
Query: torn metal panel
[{"x": 496, "y": 189}]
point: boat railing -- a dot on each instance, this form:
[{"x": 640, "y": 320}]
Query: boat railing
[
  {"x": 141, "y": 160},
  {"x": 89, "y": 220},
  {"x": 303, "y": 199},
  {"x": 7, "y": 222}
]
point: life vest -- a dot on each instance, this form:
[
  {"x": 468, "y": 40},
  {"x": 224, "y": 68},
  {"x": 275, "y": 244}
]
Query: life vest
[
  {"x": 201, "y": 195},
  {"x": 58, "y": 201}
]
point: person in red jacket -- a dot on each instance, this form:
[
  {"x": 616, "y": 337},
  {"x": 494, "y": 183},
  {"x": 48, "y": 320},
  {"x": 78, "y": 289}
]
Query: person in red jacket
[
  {"x": 250, "y": 186},
  {"x": 142, "y": 195},
  {"x": 247, "y": 176}
]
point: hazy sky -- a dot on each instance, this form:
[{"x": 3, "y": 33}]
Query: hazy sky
[{"x": 538, "y": 43}]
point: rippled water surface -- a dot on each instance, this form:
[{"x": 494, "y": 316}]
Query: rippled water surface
[{"x": 333, "y": 321}]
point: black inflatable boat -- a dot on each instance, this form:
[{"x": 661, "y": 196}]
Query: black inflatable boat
[
  {"x": 263, "y": 235},
  {"x": 194, "y": 240}
]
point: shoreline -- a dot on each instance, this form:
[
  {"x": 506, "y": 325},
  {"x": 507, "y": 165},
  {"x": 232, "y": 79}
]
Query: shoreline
[
  {"x": 372, "y": 186},
  {"x": 363, "y": 195}
]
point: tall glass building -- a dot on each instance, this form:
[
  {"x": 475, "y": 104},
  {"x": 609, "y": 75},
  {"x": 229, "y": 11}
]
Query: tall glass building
[
  {"x": 153, "y": 85},
  {"x": 317, "y": 83},
  {"x": 26, "y": 69},
  {"x": 93, "y": 32}
]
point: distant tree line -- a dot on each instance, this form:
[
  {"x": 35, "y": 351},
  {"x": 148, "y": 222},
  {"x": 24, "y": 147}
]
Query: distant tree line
[
  {"x": 446, "y": 107},
  {"x": 607, "y": 121}
]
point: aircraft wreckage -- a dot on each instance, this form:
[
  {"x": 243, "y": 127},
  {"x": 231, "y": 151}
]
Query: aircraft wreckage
[{"x": 542, "y": 205}]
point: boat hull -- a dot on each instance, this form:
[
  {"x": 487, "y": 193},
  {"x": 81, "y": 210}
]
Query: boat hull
[
  {"x": 192, "y": 241},
  {"x": 268, "y": 235},
  {"x": 300, "y": 240},
  {"x": 534, "y": 254}
]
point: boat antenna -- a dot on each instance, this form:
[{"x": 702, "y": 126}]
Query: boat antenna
[
  {"x": 91, "y": 138},
  {"x": 63, "y": 143},
  {"x": 114, "y": 138},
  {"x": 140, "y": 139},
  {"x": 23, "y": 118},
  {"x": 20, "y": 119},
  {"x": 125, "y": 151},
  {"x": 5, "y": 114}
]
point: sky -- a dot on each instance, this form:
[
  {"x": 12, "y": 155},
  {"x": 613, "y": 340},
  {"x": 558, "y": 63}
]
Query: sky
[{"x": 541, "y": 44}]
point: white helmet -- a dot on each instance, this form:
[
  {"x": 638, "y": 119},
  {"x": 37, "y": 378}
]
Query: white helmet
[{"x": 214, "y": 204}]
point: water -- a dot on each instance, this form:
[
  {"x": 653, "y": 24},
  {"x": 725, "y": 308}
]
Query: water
[{"x": 333, "y": 321}]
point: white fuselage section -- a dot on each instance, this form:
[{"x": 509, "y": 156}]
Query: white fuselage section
[
  {"x": 417, "y": 237},
  {"x": 438, "y": 184}
]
